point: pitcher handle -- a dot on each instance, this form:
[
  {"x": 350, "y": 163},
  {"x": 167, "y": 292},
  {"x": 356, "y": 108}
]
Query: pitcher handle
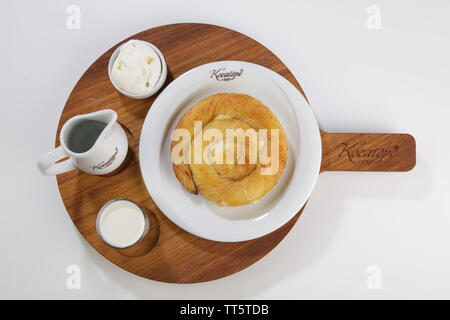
[{"x": 48, "y": 166}]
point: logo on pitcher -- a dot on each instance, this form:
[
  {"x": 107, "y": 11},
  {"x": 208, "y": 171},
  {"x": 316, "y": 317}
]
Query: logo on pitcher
[{"x": 105, "y": 164}]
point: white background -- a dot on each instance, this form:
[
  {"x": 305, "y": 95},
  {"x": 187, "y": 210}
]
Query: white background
[{"x": 395, "y": 79}]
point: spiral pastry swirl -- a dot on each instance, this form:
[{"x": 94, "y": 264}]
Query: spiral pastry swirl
[{"x": 244, "y": 179}]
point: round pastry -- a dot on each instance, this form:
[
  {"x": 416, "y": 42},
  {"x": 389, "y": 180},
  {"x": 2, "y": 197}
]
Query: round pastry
[{"x": 232, "y": 148}]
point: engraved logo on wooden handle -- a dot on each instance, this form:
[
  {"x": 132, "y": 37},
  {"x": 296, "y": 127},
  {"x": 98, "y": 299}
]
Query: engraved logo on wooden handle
[{"x": 357, "y": 153}]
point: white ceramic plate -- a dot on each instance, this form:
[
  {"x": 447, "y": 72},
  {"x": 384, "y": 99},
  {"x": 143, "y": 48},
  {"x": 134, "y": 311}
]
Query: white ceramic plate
[{"x": 194, "y": 213}]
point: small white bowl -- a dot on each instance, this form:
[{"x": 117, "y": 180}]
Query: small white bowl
[{"x": 151, "y": 91}]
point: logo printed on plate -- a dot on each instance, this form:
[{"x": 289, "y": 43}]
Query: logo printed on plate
[{"x": 222, "y": 74}]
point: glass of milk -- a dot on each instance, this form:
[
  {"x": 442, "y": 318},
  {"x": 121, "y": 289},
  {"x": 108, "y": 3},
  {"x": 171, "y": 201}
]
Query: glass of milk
[{"x": 123, "y": 225}]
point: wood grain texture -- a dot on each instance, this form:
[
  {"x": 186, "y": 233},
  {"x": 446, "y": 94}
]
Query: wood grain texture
[
  {"x": 178, "y": 256},
  {"x": 367, "y": 152}
]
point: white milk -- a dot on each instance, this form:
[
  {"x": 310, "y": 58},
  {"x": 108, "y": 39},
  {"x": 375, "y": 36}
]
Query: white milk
[{"x": 121, "y": 223}]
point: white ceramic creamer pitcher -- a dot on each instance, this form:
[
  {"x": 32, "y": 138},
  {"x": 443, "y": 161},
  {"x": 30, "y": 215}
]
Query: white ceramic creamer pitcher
[{"x": 95, "y": 143}]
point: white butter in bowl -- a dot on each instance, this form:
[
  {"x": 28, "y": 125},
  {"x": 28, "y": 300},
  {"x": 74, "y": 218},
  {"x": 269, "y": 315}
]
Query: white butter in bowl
[{"x": 137, "y": 69}]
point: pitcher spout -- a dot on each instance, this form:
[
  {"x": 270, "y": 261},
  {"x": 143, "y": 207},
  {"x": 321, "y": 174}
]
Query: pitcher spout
[{"x": 107, "y": 116}]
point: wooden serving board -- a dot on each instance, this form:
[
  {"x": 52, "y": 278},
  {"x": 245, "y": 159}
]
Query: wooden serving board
[{"x": 178, "y": 256}]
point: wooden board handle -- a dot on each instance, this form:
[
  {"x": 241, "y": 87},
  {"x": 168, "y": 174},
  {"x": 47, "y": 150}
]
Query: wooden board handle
[{"x": 367, "y": 152}]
